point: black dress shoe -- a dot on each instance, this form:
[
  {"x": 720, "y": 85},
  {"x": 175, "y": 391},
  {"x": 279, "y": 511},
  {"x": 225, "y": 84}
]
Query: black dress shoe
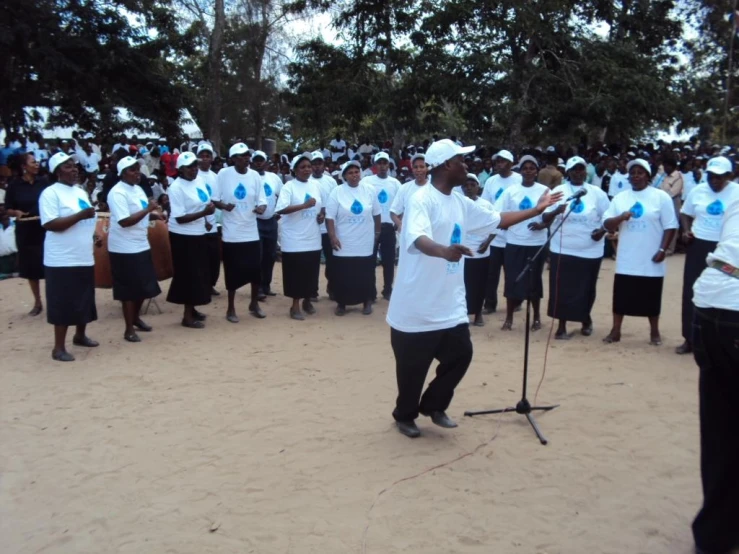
[
  {"x": 684, "y": 348},
  {"x": 199, "y": 316},
  {"x": 409, "y": 429},
  {"x": 141, "y": 326},
  {"x": 443, "y": 420}
]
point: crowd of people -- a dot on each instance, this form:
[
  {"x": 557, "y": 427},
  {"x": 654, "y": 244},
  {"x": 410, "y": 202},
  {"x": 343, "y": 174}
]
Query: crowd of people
[{"x": 452, "y": 218}]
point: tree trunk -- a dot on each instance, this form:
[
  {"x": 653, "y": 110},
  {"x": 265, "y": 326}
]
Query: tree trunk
[{"x": 213, "y": 99}]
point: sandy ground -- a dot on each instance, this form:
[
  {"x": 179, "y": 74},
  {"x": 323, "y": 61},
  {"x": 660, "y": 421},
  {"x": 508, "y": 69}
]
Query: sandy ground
[{"x": 276, "y": 436}]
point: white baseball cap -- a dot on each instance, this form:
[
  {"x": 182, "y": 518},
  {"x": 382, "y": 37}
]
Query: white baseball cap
[
  {"x": 443, "y": 150},
  {"x": 528, "y": 158},
  {"x": 473, "y": 177},
  {"x": 417, "y": 157},
  {"x": 124, "y": 163},
  {"x": 185, "y": 159},
  {"x": 505, "y": 154},
  {"x": 381, "y": 156},
  {"x": 316, "y": 155},
  {"x": 573, "y": 161},
  {"x": 238, "y": 149},
  {"x": 718, "y": 165},
  {"x": 56, "y": 160},
  {"x": 296, "y": 160},
  {"x": 347, "y": 165},
  {"x": 644, "y": 164},
  {"x": 551, "y": 149},
  {"x": 258, "y": 154},
  {"x": 203, "y": 146}
]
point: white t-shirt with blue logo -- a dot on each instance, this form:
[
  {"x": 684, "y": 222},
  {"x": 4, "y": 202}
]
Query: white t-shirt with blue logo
[
  {"x": 185, "y": 198},
  {"x": 493, "y": 189},
  {"x": 125, "y": 200},
  {"x": 429, "y": 293},
  {"x": 574, "y": 237},
  {"x": 272, "y": 185},
  {"x": 245, "y": 191},
  {"x": 517, "y": 198},
  {"x": 404, "y": 194},
  {"x": 640, "y": 238},
  {"x": 619, "y": 183},
  {"x": 707, "y": 208},
  {"x": 211, "y": 180},
  {"x": 473, "y": 241},
  {"x": 326, "y": 184},
  {"x": 386, "y": 190},
  {"x": 73, "y": 247},
  {"x": 353, "y": 210},
  {"x": 299, "y": 231}
]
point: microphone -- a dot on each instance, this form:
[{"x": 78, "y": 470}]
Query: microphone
[{"x": 579, "y": 194}]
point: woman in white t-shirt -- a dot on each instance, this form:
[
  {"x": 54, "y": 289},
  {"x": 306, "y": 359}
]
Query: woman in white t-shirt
[
  {"x": 576, "y": 250},
  {"x": 420, "y": 179},
  {"x": 523, "y": 241},
  {"x": 703, "y": 214},
  {"x": 353, "y": 223},
  {"x": 134, "y": 277},
  {"x": 645, "y": 220},
  {"x": 69, "y": 266},
  {"x": 190, "y": 205},
  {"x": 302, "y": 213},
  {"x": 476, "y": 267}
]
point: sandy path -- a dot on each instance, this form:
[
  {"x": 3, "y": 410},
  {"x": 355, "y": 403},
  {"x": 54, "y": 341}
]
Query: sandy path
[{"x": 279, "y": 434}]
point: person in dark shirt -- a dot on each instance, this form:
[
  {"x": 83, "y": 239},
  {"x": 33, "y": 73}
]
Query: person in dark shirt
[{"x": 21, "y": 201}]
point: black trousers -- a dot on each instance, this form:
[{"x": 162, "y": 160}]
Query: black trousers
[
  {"x": 497, "y": 257},
  {"x": 414, "y": 354},
  {"x": 716, "y": 347},
  {"x": 268, "y": 238},
  {"x": 214, "y": 256},
  {"x": 328, "y": 255},
  {"x": 695, "y": 263},
  {"x": 386, "y": 246}
]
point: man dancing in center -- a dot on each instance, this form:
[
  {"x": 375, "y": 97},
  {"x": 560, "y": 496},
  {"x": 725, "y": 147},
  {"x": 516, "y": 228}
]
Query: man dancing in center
[{"x": 428, "y": 310}]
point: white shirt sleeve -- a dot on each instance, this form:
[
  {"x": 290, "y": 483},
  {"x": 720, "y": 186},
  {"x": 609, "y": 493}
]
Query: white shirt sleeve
[
  {"x": 261, "y": 199},
  {"x": 332, "y": 206},
  {"x": 376, "y": 207},
  {"x": 612, "y": 211},
  {"x": 216, "y": 192},
  {"x": 418, "y": 224},
  {"x": 667, "y": 217},
  {"x": 118, "y": 204},
  {"x": 689, "y": 205},
  {"x": 48, "y": 206},
  {"x": 480, "y": 218},
  {"x": 283, "y": 201},
  {"x": 399, "y": 202},
  {"x": 603, "y": 203},
  {"x": 176, "y": 203}
]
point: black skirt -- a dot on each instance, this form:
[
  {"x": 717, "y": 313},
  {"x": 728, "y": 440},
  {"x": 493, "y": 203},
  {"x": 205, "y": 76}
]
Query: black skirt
[
  {"x": 695, "y": 263},
  {"x": 352, "y": 279},
  {"x": 70, "y": 295},
  {"x": 29, "y": 237},
  {"x": 134, "y": 277},
  {"x": 191, "y": 281},
  {"x": 300, "y": 273},
  {"x": 516, "y": 258},
  {"x": 242, "y": 263},
  {"x": 475, "y": 281},
  {"x": 637, "y": 296},
  {"x": 214, "y": 256},
  {"x": 572, "y": 286}
]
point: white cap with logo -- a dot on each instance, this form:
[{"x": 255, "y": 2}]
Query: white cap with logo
[
  {"x": 124, "y": 163},
  {"x": 56, "y": 160},
  {"x": 238, "y": 149},
  {"x": 185, "y": 159},
  {"x": 719, "y": 165},
  {"x": 443, "y": 150}
]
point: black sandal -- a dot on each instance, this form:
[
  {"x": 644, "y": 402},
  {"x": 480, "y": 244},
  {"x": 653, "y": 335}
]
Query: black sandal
[
  {"x": 141, "y": 326},
  {"x": 36, "y": 311},
  {"x": 87, "y": 342},
  {"x": 193, "y": 324},
  {"x": 62, "y": 356},
  {"x": 131, "y": 337}
]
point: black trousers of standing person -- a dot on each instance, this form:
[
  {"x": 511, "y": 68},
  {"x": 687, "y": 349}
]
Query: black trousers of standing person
[
  {"x": 497, "y": 257},
  {"x": 328, "y": 256},
  {"x": 414, "y": 354},
  {"x": 716, "y": 350},
  {"x": 214, "y": 256},
  {"x": 268, "y": 238},
  {"x": 695, "y": 263},
  {"x": 386, "y": 247}
]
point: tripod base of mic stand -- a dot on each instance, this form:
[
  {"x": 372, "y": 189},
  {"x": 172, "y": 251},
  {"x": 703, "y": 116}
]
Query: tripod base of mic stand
[{"x": 524, "y": 408}]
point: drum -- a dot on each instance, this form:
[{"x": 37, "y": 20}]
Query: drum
[
  {"x": 103, "y": 274},
  {"x": 161, "y": 251}
]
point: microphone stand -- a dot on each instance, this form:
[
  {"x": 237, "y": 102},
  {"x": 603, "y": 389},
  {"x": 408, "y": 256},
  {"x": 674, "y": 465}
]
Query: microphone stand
[{"x": 524, "y": 407}]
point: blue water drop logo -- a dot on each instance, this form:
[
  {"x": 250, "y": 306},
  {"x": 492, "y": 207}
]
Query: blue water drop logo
[
  {"x": 456, "y": 234},
  {"x": 637, "y": 210},
  {"x": 357, "y": 207},
  {"x": 210, "y": 190},
  {"x": 307, "y": 197},
  {"x": 382, "y": 197},
  {"x": 83, "y": 205},
  {"x": 144, "y": 204},
  {"x": 240, "y": 192},
  {"x": 715, "y": 208},
  {"x": 497, "y": 194},
  {"x": 525, "y": 204},
  {"x": 202, "y": 195},
  {"x": 267, "y": 190},
  {"x": 577, "y": 206}
]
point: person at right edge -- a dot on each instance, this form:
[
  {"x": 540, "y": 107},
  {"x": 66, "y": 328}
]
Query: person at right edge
[
  {"x": 716, "y": 351},
  {"x": 428, "y": 311}
]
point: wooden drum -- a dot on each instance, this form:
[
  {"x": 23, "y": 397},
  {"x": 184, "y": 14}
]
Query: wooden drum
[
  {"x": 103, "y": 274},
  {"x": 161, "y": 251}
]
